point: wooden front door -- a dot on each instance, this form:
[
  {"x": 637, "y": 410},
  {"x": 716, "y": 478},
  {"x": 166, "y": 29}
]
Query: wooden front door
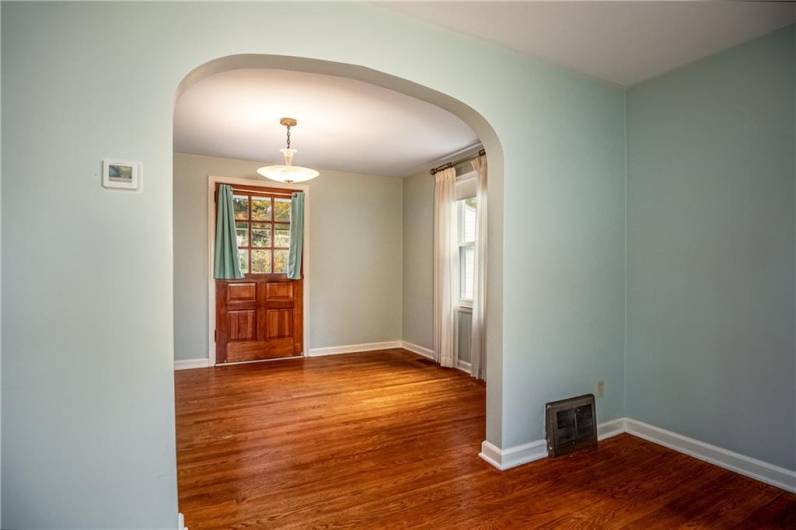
[{"x": 260, "y": 316}]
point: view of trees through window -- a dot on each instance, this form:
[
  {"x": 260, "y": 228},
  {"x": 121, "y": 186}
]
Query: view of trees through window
[
  {"x": 262, "y": 223},
  {"x": 466, "y": 210}
]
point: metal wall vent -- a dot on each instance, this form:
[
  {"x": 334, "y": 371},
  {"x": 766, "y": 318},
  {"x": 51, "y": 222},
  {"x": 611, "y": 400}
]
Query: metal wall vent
[{"x": 571, "y": 424}]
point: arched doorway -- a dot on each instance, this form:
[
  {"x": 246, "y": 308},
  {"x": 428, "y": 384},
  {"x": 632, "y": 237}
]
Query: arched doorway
[{"x": 467, "y": 114}]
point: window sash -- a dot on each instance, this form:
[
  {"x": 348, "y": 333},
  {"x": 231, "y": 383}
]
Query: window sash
[
  {"x": 465, "y": 281},
  {"x": 462, "y": 211},
  {"x": 254, "y": 222}
]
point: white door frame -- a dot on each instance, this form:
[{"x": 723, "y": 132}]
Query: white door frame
[{"x": 211, "y": 240}]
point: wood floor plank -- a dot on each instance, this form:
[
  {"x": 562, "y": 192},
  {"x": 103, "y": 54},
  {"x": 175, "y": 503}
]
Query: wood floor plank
[{"x": 389, "y": 440}]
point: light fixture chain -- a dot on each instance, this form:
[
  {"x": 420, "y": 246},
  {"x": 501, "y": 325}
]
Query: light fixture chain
[{"x": 287, "y": 172}]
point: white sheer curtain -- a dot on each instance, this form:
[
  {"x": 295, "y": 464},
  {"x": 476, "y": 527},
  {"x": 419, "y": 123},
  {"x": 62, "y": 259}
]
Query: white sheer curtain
[
  {"x": 445, "y": 263},
  {"x": 478, "y": 332}
]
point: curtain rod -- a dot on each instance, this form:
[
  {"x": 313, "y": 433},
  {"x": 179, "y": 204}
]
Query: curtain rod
[
  {"x": 261, "y": 189},
  {"x": 447, "y": 165}
]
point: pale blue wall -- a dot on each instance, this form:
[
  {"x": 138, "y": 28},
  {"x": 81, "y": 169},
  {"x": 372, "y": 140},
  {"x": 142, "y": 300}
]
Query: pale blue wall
[
  {"x": 87, "y": 337},
  {"x": 418, "y": 266},
  {"x": 356, "y": 286},
  {"x": 88, "y": 342},
  {"x": 710, "y": 351},
  {"x": 564, "y": 233}
]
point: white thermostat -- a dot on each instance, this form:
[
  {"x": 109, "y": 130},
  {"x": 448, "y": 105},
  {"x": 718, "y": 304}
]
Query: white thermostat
[{"x": 121, "y": 174}]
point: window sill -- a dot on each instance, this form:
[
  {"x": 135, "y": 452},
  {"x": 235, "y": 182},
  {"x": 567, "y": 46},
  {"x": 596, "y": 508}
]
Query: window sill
[{"x": 464, "y": 308}]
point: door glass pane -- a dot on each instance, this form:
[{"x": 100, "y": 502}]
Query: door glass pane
[
  {"x": 261, "y": 235},
  {"x": 261, "y": 208},
  {"x": 280, "y": 261},
  {"x": 241, "y": 204},
  {"x": 261, "y": 261},
  {"x": 242, "y": 231},
  {"x": 282, "y": 210},
  {"x": 243, "y": 257},
  {"x": 282, "y": 234}
]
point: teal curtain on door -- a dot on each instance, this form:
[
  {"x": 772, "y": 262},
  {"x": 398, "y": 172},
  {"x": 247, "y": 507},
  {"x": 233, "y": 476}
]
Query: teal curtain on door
[
  {"x": 296, "y": 235},
  {"x": 226, "y": 266}
]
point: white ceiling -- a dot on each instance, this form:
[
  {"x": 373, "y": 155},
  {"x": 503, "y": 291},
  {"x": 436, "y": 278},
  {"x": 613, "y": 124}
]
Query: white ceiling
[
  {"x": 343, "y": 124},
  {"x": 622, "y": 42},
  {"x": 349, "y": 125}
]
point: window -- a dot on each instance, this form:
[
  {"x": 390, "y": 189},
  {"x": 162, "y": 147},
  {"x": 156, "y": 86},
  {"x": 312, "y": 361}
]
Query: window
[
  {"x": 466, "y": 214},
  {"x": 262, "y": 223}
]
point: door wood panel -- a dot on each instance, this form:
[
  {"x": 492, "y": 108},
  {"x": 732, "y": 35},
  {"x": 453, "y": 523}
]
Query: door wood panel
[
  {"x": 259, "y": 317},
  {"x": 279, "y": 291},
  {"x": 278, "y": 323},
  {"x": 241, "y": 291},
  {"x": 241, "y": 324}
]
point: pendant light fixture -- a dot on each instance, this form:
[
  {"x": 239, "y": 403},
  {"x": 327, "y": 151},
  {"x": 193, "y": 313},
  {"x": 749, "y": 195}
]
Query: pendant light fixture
[{"x": 287, "y": 172}]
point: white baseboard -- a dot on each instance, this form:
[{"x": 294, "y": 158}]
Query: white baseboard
[
  {"x": 756, "y": 469},
  {"x": 181, "y": 522},
  {"x": 610, "y": 428},
  {"x": 420, "y": 350},
  {"x": 504, "y": 459},
  {"x": 522, "y": 454},
  {"x": 354, "y": 348},
  {"x": 187, "y": 364},
  {"x": 491, "y": 453},
  {"x": 744, "y": 465},
  {"x": 464, "y": 366}
]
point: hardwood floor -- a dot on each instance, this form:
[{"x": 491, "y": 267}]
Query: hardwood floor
[{"x": 388, "y": 439}]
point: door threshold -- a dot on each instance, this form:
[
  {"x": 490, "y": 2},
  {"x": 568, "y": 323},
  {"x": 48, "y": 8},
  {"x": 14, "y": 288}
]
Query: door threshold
[{"x": 299, "y": 356}]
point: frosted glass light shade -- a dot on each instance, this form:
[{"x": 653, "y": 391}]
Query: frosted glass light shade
[{"x": 288, "y": 173}]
